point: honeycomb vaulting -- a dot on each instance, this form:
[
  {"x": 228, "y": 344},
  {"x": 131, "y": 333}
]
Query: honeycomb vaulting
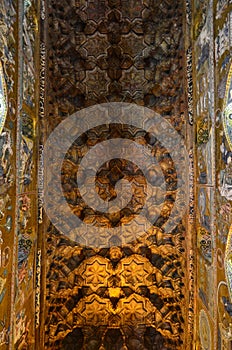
[{"x": 129, "y": 296}]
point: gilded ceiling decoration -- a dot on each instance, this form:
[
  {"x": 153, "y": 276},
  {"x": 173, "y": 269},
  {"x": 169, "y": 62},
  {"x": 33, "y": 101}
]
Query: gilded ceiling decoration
[{"x": 129, "y": 296}]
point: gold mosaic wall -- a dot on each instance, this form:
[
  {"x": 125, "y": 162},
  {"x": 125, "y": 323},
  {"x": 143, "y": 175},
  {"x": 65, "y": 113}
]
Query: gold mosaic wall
[
  {"x": 211, "y": 38},
  {"x": 19, "y": 41}
]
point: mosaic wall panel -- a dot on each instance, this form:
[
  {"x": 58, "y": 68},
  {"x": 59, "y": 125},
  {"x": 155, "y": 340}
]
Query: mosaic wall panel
[
  {"x": 24, "y": 299},
  {"x": 8, "y": 103},
  {"x": 204, "y": 99},
  {"x": 213, "y": 60},
  {"x": 18, "y": 172},
  {"x": 131, "y": 296},
  {"x": 223, "y": 224},
  {"x": 222, "y": 43}
]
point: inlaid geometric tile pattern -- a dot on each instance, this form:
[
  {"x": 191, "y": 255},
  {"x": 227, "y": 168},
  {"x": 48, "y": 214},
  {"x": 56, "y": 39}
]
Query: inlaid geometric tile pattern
[{"x": 131, "y": 296}]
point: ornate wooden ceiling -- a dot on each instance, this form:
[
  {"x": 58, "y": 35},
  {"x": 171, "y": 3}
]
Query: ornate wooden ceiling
[{"x": 131, "y": 296}]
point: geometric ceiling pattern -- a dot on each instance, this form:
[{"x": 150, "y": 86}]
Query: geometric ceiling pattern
[{"x": 127, "y": 296}]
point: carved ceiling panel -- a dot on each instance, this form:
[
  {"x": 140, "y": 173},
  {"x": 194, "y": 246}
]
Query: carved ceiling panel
[{"x": 129, "y": 296}]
